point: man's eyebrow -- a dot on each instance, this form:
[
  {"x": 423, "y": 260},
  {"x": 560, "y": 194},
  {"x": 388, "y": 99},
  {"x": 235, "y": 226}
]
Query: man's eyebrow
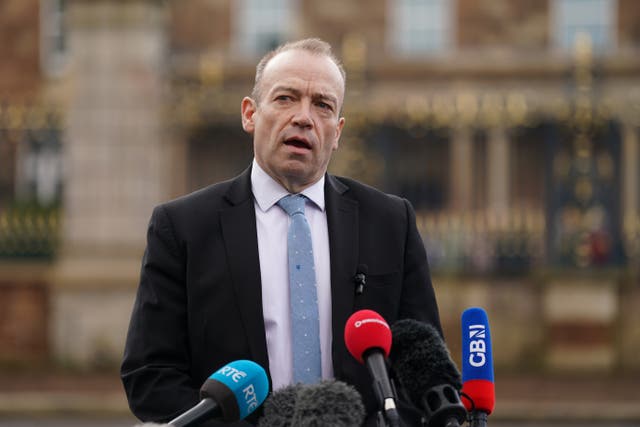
[
  {"x": 298, "y": 92},
  {"x": 326, "y": 97},
  {"x": 286, "y": 89}
]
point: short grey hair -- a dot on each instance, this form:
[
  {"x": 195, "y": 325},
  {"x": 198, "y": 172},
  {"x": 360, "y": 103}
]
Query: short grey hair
[{"x": 314, "y": 46}]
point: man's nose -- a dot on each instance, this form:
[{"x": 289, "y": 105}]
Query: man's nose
[{"x": 302, "y": 115}]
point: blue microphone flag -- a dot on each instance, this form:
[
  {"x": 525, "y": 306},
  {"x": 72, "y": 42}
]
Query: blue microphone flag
[
  {"x": 477, "y": 358},
  {"x": 477, "y": 361},
  {"x": 247, "y": 380}
]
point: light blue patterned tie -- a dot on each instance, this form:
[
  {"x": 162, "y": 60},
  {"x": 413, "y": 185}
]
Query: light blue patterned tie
[{"x": 305, "y": 329}]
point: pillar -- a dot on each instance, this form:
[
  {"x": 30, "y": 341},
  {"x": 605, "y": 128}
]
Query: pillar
[
  {"x": 498, "y": 171},
  {"x": 117, "y": 168},
  {"x": 461, "y": 169}
]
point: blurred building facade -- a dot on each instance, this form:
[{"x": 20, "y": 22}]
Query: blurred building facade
[{"x": 511, "y": 125}]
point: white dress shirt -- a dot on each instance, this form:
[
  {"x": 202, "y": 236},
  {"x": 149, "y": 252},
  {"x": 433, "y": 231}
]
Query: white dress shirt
[{"x": 272, "y": 224}]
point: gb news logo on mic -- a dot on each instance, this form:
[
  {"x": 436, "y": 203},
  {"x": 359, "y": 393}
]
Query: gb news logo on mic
[{"x": 477, "y": 345}]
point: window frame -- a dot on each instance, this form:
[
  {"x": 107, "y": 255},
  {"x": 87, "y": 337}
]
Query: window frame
[
  {"x": 54, "y": 37},
  {"x": 397, "y": 28},
  {"x": 558, "y": 28},
  {"x": 246, "y": 34}
]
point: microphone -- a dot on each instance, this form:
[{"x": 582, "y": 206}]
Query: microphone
[
  {"x": 360, "y": 279},
  {"x": 368, "y": 338},
  {"x": 424, "y": 367},
  {"x": 279, "y": 407},
  {"x": 478, "y": 389},
  {"x": 229, "y": 394},
  {"x": 328, "y": 403}
]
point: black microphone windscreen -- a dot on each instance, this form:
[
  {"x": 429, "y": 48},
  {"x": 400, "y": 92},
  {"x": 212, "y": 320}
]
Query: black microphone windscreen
[
  {"x": 329, "y": 403},
  {"x": 279, "y": 407},
  {"x": 421, "y": 359}
]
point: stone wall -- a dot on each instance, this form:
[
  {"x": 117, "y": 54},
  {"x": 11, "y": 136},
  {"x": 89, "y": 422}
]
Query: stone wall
[
  {"x": 520, "y": 24},
  {"x": 514, "y": 308},
  {"x": 88, "y": 328},
  {"x": 564, "y": 322}
]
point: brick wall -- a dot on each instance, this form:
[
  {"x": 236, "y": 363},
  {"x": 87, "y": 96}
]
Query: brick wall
[
  {"x": 19, "y": 49},
  {"x": 628, "y": 19},
  {"x": 23, "y": 321}
]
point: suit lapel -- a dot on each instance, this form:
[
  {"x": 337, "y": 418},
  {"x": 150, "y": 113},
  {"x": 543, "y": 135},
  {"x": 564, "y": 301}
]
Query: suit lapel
[
  {"x": 240, "y": 239},
  {"x": 342, "y": 221}
]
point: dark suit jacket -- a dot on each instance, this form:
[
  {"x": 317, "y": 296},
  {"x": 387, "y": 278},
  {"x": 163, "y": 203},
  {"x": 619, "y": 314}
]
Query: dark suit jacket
[{"x": 199, "y": 302}]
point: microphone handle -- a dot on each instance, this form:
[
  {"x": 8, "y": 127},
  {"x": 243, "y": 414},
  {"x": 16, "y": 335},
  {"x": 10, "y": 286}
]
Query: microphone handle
[
  {"x": 206, "y": 406},
  {"x": 477, "y": 419},
  {"x": 380, "y": 421},
  {"x": 382, "y": 386}
]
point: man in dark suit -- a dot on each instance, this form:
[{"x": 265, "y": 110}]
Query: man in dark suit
[{"x": 214, "y": 283}]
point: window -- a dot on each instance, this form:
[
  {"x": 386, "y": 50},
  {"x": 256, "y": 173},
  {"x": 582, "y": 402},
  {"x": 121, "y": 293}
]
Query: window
[
  {"x": 262, "y": 25},
  {"x": 30, "y": 182},
  {"x": 595, "y": 18},
  {"x": 53, "y": 36},
  {"x": 421, "y": 27}
]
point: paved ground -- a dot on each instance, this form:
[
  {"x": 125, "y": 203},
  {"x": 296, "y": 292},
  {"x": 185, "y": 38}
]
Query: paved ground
[
  {"x": 61, "y": 421},
  {"x": 97, "y": 400},
  {"x": 125, "y": 422}
]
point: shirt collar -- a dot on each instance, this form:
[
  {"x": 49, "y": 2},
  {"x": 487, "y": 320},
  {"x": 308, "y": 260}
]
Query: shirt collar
[{"x": 267, "y": 191}]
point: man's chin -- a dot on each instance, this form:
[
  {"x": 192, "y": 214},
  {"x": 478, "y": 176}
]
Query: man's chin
[
  {"x": 295, "y": 170},
  {"x": 296, "y": 179}
]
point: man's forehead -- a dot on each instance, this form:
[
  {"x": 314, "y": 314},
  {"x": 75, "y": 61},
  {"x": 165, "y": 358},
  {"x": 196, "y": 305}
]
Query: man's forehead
[
  {"x": 294, "y": 66},
  {"x": 300, "y": 85}
]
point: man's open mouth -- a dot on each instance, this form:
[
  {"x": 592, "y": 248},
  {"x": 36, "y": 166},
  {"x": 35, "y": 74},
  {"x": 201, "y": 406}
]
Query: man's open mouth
[{"x": 299, "y": 143}]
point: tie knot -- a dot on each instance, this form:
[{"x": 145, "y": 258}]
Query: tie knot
[{"x": 293, "y": 204}]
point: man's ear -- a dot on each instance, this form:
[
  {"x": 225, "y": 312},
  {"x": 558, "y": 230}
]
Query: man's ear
[
  {"x": 338, "y": 133},
  {"x": 248, "y": 109}
]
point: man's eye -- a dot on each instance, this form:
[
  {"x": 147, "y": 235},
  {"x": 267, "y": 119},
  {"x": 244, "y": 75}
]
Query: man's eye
[
  {"x": 324, "y": 106},
  {"x": 283, "y": 98}
]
